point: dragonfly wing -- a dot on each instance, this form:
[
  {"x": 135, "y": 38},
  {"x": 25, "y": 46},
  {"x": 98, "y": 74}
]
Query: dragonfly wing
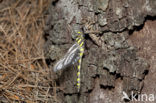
[
  {"x": 70, "y": 57},
  {"x": 72, "y": 48},
  {"x": 58, "y": 65}
]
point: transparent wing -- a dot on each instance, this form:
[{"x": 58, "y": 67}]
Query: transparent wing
[
  {"x": 58, "y": 65},
  {"x": 70, "y": 58},
  {"x": 72, "y": 48}
]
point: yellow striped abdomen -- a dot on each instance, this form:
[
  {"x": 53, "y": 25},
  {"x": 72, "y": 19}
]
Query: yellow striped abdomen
[{"x": 80, "y": 42}]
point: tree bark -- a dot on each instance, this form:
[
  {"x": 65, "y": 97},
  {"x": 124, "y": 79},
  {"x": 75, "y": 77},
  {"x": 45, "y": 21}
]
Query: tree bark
[{"x": 115, "y": 58}]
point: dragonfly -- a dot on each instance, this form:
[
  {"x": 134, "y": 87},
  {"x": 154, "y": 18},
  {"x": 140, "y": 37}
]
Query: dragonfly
[{"x": 73, "y": 55}]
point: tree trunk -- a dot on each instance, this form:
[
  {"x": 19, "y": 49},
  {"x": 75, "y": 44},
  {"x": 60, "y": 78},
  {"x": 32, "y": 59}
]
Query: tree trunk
[{"x": 119, "y": 48}]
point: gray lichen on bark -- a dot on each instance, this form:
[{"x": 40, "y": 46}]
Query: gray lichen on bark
[{"x": 115, "y": 59}]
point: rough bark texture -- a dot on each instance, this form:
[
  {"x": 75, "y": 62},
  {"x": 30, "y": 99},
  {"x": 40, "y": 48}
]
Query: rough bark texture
[{"x": 111, "y": 64}]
